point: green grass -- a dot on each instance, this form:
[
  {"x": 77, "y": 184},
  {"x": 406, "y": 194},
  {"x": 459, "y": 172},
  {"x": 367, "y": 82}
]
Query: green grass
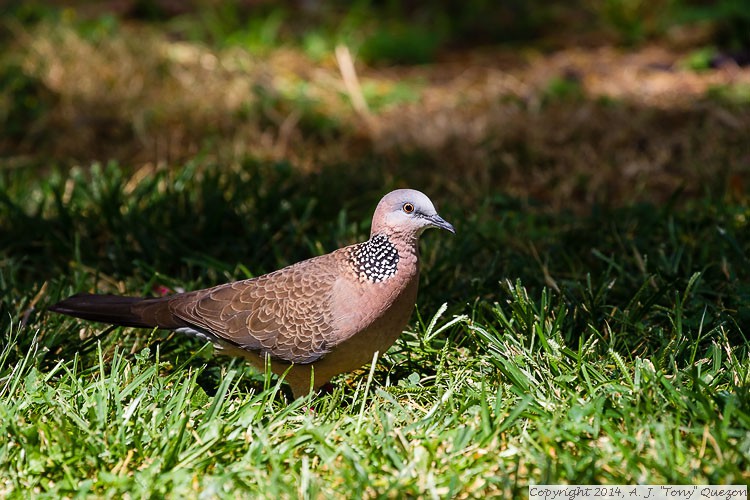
[
  {"x": 606, "y": 346},
  {"x": 600, "y": 348}
]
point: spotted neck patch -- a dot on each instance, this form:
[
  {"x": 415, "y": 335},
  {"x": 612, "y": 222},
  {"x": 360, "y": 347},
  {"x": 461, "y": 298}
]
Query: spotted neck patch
[{"x": 375, "y": 260}]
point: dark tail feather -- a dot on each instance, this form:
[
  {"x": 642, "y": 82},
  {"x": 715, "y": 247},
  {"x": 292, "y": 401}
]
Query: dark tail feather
[{"x": 112, "y": 309}]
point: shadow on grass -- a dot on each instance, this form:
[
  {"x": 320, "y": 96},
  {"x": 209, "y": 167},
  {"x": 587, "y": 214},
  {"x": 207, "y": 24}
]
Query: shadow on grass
[{"x": 639, "y": 277}]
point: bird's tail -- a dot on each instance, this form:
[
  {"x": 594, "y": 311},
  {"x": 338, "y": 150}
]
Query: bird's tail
[{"x": 115, "y": 309}]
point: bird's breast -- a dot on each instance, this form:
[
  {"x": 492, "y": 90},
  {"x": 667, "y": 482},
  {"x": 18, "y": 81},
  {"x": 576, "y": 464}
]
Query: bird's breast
[{"x": 381, "y": 305}]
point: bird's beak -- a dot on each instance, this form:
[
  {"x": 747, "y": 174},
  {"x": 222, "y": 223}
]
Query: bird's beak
[{"x": 441, "y": 223}]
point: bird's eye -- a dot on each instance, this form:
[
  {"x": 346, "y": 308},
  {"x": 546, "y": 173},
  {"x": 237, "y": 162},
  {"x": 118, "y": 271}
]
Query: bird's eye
[{"x": 408, "y": 208}]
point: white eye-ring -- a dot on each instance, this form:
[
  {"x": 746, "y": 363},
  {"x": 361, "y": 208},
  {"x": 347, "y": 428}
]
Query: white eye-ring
[{"x": 408, "y": 208}]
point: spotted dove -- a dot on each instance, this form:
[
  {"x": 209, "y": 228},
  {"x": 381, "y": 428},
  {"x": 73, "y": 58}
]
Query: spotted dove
[{"x": 317, "y": 318}]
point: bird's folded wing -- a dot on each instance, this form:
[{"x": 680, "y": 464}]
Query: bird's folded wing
[{"x": 286, "y": 314}]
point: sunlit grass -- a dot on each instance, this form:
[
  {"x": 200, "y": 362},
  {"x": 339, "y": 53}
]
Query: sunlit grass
[
  {"x": 587, "y": 324},
  {"x": 614, "y": 353}
]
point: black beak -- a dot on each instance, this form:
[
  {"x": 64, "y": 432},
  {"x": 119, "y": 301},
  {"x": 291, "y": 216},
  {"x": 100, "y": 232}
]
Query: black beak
[{"x": 441, "y": 223}]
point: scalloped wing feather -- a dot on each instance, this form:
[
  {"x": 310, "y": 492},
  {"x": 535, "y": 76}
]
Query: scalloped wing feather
[{"x": 286, "y": 314}]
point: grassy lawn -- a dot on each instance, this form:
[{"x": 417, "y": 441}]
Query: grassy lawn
[
  {"x": 587, "y": 324},
  {"x": 578, "y": 349}
]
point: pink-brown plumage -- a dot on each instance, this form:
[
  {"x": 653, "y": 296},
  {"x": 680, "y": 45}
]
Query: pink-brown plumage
[{"x": 317, "y": 318}]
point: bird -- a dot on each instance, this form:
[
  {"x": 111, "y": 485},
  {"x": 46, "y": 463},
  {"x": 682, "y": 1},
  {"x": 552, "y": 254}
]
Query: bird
[{"x": 312, "y": 320}]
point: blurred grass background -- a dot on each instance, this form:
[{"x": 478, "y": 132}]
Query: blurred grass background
[
  {"x": 593, "y": 156},
  {"x": 518, "y": 97}
]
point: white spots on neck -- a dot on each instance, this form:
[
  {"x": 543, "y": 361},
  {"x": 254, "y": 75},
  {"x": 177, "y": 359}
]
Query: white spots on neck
[{"x": 375, "y": 260}]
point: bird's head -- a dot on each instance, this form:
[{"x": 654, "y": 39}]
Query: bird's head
[{"x": 408, "y": 212}]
